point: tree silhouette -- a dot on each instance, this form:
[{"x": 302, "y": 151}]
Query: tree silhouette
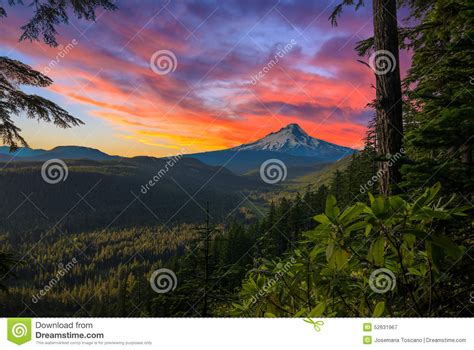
[
  {"x": 13, "y": 74},
  {"x": 13, "y": 101}
]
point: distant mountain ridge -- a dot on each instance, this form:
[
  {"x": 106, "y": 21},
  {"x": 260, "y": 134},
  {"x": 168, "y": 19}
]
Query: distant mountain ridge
[
  {"x": 61, "y": 152},
  {"x": 291, "y": 145}
]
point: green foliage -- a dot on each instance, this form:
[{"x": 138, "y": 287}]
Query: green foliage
[
  {"x": 111, "y": 276},
  {"x": 292, "y": 262},
  {"x": 439, "y": 89},
  {"x": 330, "y": 271}
]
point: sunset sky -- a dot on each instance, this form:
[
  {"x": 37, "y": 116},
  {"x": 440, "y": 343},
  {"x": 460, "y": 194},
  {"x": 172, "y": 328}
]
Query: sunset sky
[{"x": 211, "y": 101}]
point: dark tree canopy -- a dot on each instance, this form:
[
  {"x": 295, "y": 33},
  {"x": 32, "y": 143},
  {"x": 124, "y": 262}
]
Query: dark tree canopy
[
  {"x": 47, "y": 15},
  {"x": 50, "y": 13},
  {"x": 439, "y": 93},
  {"x": 13, "y": 101}
]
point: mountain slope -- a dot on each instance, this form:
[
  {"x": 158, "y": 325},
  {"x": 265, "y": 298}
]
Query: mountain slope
[
  {"x": 291, "y": 145},
  {"x": 293, "y": 140},
  {"x": 242, "y": 162}
]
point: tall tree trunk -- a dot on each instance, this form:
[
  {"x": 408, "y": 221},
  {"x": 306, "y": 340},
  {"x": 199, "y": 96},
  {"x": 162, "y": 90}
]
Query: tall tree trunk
[{"x": 389, "y": 124}]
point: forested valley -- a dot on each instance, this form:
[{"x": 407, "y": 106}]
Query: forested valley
[{"x": 390, "y": 234}]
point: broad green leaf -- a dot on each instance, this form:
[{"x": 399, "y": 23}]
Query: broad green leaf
[
  {"x": 318, "y": 310},
  {"x": 371, "y": 198},
  {"x": 342, "y": 259},
  {"x": 396, "y": 202},
  {"x": 377, "y": 251},
  {"x": 355, "y": 227},
  {"x": 329, "y": 251},
  {"x": 338, "y": 259},
  {"x": 300, "y": 313},
  {"x": 379, "y": 309},
  {"x": 433, "y": 191},
  {"x": 331, "y": 207},
  {"x": 316, "y": 251},
  {"x": 379, "y": 206},
  {"x": 368, "y": 229},
  {"x": 351, "y": 213},
  {"x": 430, "y": 213},
  {"x": 322, "y": 218}
]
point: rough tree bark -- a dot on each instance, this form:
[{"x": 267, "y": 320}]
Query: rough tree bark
[{"x": 389, "y": 124}]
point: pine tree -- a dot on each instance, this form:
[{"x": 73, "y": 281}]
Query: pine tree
[
  {"x": 13, "y": 74},
  {"x": 13, "y": 102},
  {"x": 439, "y": 87}
]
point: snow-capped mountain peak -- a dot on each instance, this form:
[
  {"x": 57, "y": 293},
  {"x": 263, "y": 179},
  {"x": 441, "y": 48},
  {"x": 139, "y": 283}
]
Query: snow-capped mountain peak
[{"x": 292, "y": 139}]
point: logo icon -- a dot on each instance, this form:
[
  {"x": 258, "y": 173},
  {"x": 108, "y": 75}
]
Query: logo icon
[
  {"x": 163, "y": 281},
  {"x": 163, "y": 62},
  {"x": 54, "y": 171},
  {"x": 382, "y": 281},
  {"x": 19, "y": 330},
  {"x": 382, "y": 62},
  {"x": 316, "y": 324},
  {"x": 273, "y": 171}
]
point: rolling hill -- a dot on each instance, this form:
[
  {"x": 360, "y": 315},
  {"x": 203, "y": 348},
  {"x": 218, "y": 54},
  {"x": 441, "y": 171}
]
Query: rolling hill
[{"x": 129, "y": 191}]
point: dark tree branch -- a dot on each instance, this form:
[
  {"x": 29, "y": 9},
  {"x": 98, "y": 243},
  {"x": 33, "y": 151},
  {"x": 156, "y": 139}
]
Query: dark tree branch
[
  {"x": 13, "y": 101},
  {"x": 337, "y": 12},
  {"x": 48, "y": 14}
]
